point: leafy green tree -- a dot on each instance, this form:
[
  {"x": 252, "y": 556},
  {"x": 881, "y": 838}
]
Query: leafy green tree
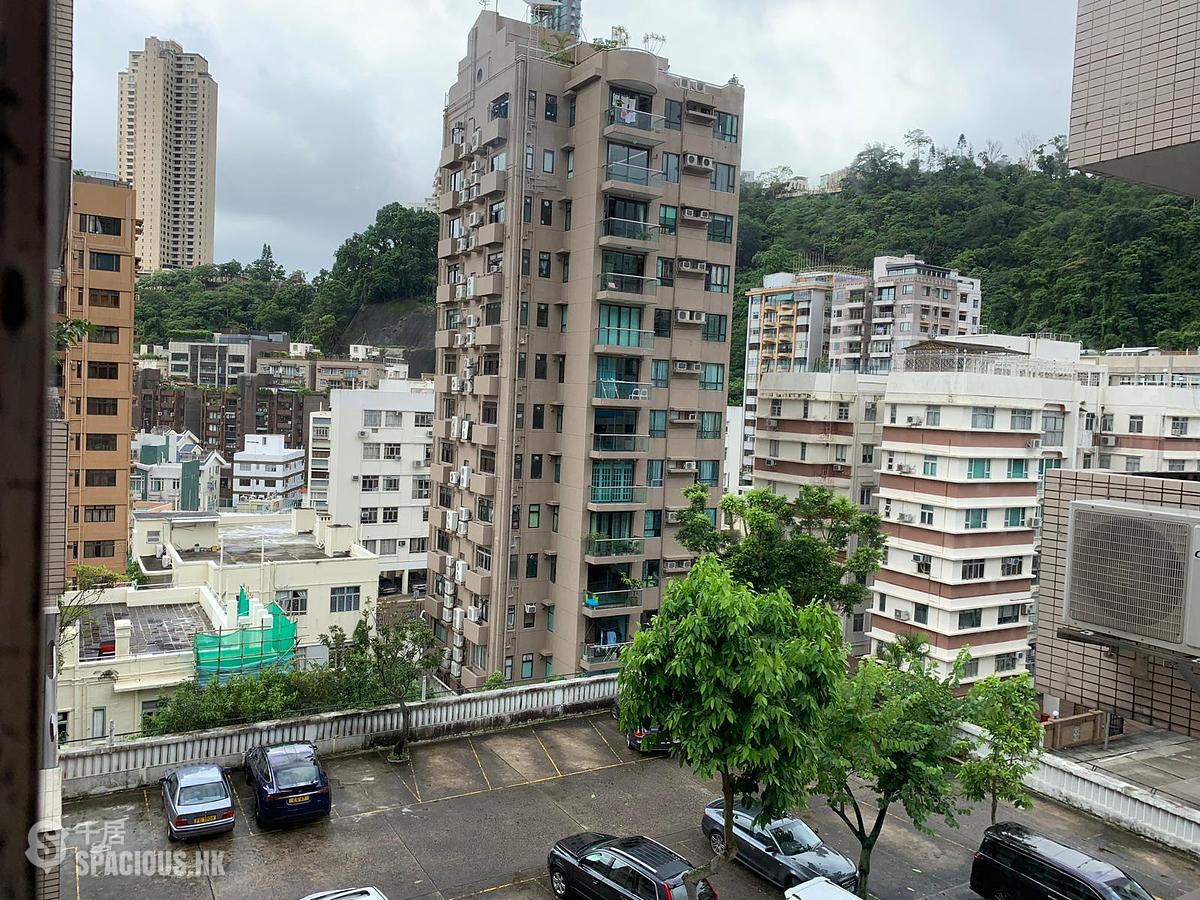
[
  {"x": 892, "y": 733},
  {"x": 807, "y": 546},
  {"x": 493, "y": 682},
  {"x": 739, "y": 680},
  {"x": 402, "y": 652},
  {"x": 88, "y": 584},
  {"x": 70, "y": 332},
  {"x": 1007, "y": 710}
]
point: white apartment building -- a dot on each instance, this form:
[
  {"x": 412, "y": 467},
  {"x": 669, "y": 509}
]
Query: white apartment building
[
  {"x": 266, "y": 471},
  {"x": 369, "y": 469},
  {"x": 958, "y": 437},
  {"x": 731, "y": 472},
  {"x": 172, "y": 468}
]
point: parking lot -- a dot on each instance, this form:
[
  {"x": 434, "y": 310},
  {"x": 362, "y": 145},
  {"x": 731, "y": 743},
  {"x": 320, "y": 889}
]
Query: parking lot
[{"x": 476, "y": 816}]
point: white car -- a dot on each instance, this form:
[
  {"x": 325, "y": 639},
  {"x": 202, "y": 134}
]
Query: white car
[
  {"x": 818, "y": 889},
  {"x": 362, "y": 893}
]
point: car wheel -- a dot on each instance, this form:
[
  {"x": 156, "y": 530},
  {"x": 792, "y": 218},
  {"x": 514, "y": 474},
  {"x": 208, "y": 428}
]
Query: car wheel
[
  {"x": 1001, "y": 895},
  {"x": 716, "y": 840},
  {"x": 558, "y": 882},
  {"x": 630, "y": 744}
]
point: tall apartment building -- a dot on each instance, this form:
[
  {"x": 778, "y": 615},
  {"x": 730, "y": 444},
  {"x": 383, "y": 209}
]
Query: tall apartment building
[
  {"x": 588, "y": 233},
  {"x": 368, "y": 468},
  {"x": 267, "y": 473},
  {"x": 219, "y": 362},
  {"x": 331, "y": 373},
  {"x": 97, "y": 372},
  {"x": 167, "y": 149}
]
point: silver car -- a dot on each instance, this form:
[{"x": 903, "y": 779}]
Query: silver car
[{"x": 197, "y": 801}]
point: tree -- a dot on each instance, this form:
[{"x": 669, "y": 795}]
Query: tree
[
  {"x": 1007, "y": 710},
  {"x": 807, "y": 546},
  {"x": 895, "y": 731},
  {"x": 88, "y": 586},
  {"x": 1029, "y": 143},
  {"x": 400, "y": 653},
  {"x": 70, "y": 332},
  {"x": 739, "y": 680},
  {"x": 917, "y": 140},
  {"x": 493, "y": 682}
]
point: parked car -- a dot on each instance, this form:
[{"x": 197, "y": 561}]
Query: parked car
[
  {"x": 637, "y": 739},
  {"x": 197, "y": 801},
  {"x": 596, "y": 866},
  {"x": 288, "y": 782},
  {"x": 362, "y": 893},
  {"x": 1015, "y": 863},
  {"x": 786, "y": 852},
  {"x": 818, "y": 889}
]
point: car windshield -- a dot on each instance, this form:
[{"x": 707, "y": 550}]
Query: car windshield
[
  {"x": 793, "y": 836},
  {"x": 296, "y": 774},
  {"x": 1126, "y": 889},
  {"x": 191, "y": 794}
]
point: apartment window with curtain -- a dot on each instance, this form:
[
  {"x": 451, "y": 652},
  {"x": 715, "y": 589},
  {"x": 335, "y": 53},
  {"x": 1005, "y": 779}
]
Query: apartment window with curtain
[
  {"x": 975, "y": 518},
  {"x": 659, "y": 372},
  {"x": 670, "y": 167},
  {"x": 724, "y": 178},
  {"x": 1018, "y": 468},
  {"x": 1053, "y": 425},
  {"x": 654, "y": 472},
  {"x": 725, "y": 128},
  {"x": 720, "y": 228},
  {"x": 708, "y": 472},
  {"x": 548, "y": 162},
  {"x": 983, "y": 417},
  {"x": 929, "y": 466},
  {"x": 717, "y": 279},
  {"x": 712, "y": 377},
  {"x": 668, "y": 218},
  {"x": 673, "y": 115},
  {"x": 979, "y": 468},
  {"x": 715, "y": 327},
  {"x": 658, "y": 423},
  {"x": 711, "y": 426}
]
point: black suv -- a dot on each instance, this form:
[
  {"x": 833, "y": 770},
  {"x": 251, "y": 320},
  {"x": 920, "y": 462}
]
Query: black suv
[
  {"x": 598, "y": 866},
  {"x": 1014, "y": 863}
]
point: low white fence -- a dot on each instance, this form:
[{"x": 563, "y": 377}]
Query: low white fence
[
  {"x": 142, "y": 761},
  {"x": 1126, "y": 805}
]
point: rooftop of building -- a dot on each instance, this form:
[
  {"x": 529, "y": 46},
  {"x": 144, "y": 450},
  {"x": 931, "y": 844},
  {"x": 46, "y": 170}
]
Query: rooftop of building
[
  {"x": 260, "y": 542},
  {"x": 158, "y": 628}
]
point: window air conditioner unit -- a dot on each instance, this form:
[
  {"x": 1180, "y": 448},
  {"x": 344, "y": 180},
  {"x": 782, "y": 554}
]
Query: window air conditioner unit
[
  {"x": 452, "y": 520},
  {"x": 686, "y": 465},
  {"x": 462, "y": 245},
  {"x": 672, "y": 516},
  {"x": 838, "y": 467},
  {"x": 1133, "y": 573},
  {"x": 473, "y": 614},
  {"x": 458, "y": 340},
  {"x": 1108, "y": 440},
  {"x": 472, "y": 321},
  {"x": 455, "y": 669},
  {"x": 905, "y": 517},
  {"x": 903, "y": 615},
  {"x": 475, "y": 219},
  {"x": 363, "y": 433},
  {"x": 468, "y": 385},
  {"x": 455, "y": 426},
  {"x": 904, "y": 469},
  {"x": 458, "y": 638},
  {"x": 1034, "y": 443},
  {"x": 1033, "y": 522},
  {"x": 771, "y": 462},
  {"x": 449, "y": 590},
  {"x": 470, "y": 340},
  {"x": 458, "y": 624},
  {"x": 915, "y": 420},
  {"x": 530, "y": 608},
  {"x": 464, "y": 513},
  {"x": 1027, "y": 609},
  {"x": 447, "y": 615},
  {"x": 460, "y": 292},
  {"x": 466, "y": 430},
  {"x": 454, "y": 478},
  {"x": 460, "y": 570},
  {"x": 464, "y": 476},
  {"x": 455, "y": 383},
  {"x": 699, "y": 215},
  {"x": 462, "y": 529},
  {"x": 695, "y": 266},
  {"x": 773, "y": 424}
]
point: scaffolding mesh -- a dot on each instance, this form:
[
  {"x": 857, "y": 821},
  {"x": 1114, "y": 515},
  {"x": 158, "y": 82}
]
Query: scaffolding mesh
[{"x": 245, "y": 651}]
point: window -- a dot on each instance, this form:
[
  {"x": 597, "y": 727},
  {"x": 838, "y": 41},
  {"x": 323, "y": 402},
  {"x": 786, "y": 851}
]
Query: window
[
  {"x": 105, "y": 334},
  {"x": 1021, "y": 420},
  {"x": 868, "y": 453},
  {"x": 1018, "y": 468},
  {"x": 371, "y": 450},
  {"x": 673, "y": 114},
  {"x": 101, "y": 442},
  {"x": 652, "y": 523},
  {"x": 726, "y": 127},
  {"x": 720, "y": 228},
  {"x": 529, "y": 156},
  {"x": 102, "y": 406},
  {"x": 100, "y": 478},
  {"x": 543, "y": 264},
  {"x": 391, "y": 515},
  {"x": 1008, "y": 614},
  {"x": 979, "y": 468},
  {"x": 712, "y": 377},
  {"x": 535, "y": 468},
  {"x": 542, "y": 315},
  {"x": 527, "y": 665},
  {"x": 547, "y": 212},
  {"x": 531, "y": 565},
  {"x": 548, "y": 161},
  {"x": 843, "y": 412},
  {"x": 508, "y": 668},
  {"x": 1006, "y": 662},
  {"x": 975, "y": 518},
  {"x": 658, "y": 423},
  {"x": 865, "y": 493},
  {"x": 921, "y": 613},
  {"x": 526, "y": 210},
  {"x": 104, "y": 300},
  {"x": 670, "y": 167},
  {"x": 1133, "y": 463},
  {"x": 716, "y": 279},
  {"x": 933, "y": 415},
  {"x": 654, "y": 473},
  {"x": 659, "y": 372},
  {"x": 372, "y": 418},
  {"x": 569, "y": 156},
  {"x": 369, "y": 483},
  {"x": 711, "y": 426},
  {"x": 571, "y": 111},
  {"x": 535, "y": 515},
  {"x": 983, "y": 417},
  {"x": 924, "y": 563},
  {"x": 1135, "y": 423},
  {"x": 539, "y": 415},
  {"x": 1176, "y": 465},
  {"x": 1012, "y": 565},
  {"x": 972, "y": 568},
  {"x": 858, "y": 623},
  {"x": 668, "y": 218},
  {"x": 551, "y": 108},
  {"x": 529, "y": 617},
  {"x": 926, "y": 514},
  {"x": 99, "y": 549},
  {"x": 496, "y": 212},
  {"x": 104, "y": 262},
  {"x": 929, "y": 466},
  {"x": 109, "y": 225},
  {"x": 293, "y": 602},
  {"x": 708, "y": 472},
  {"x": 1179, "y": 426},
  {"x": 1053, "y": 424},
  {"x": 715, "y": 327},
  {"x": 1014, "y": 517},
  {"x": 971, "y": 669},
  {"x": 368, "y": 515},
  {"x": 99, "y": 514},
  {"x": 970, "y": 618},
  {"x": 665, "y": 270},
  {"x": 420, "y": 488},
  {"x": 724, "y": 178},
  {"x": 883, "y": 602}
]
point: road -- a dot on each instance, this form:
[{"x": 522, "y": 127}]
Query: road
[{"x": 476, "y": 816}]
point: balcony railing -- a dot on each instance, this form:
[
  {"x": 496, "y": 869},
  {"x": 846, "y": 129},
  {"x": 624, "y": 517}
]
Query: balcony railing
[
  {"x": 613, "y": 336},
  {"x": 632, "y": 118},
  {"x": 631, "y": 229},
  {"x": 619, "y": 599},
  {"x": 626, "y": 284},
  {"x": 604, "y": 546},
  {"x": 631, "y": 174},
  {"x": 618, "y": 493},
  {"x": 611, "y": 389},
  {"x": 620, "y": 443},
  {"x": 604, "y": 653}
]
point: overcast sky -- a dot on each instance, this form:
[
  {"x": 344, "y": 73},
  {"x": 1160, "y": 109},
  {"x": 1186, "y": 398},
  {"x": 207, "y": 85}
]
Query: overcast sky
[{"x": 328, "y": 110}]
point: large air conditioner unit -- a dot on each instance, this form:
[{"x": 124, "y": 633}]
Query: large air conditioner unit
[
  {"x": 458, "y": 340},
  {"x": 466, "y": 430},
  {"x": 455, "y": 669},
  {"x": 905, "y": 517},
  {"x": 1133, "y": 573},
  {"x": 460, "y": 570},
  {"x": 464, "y": 513},
  {"x": 903, "y": 615},
  {"x": 472, "y": 321},
  {"x": 462, "y": 529},
  {"x": 460, "y": 292},
  {"x": 459, "y": 615},
  {"x": 1034, "y": 443},
  {"x": 449, "y": 589},
  {"x": 455, "y": 383},
  {"x": 464, "y": 476},
  {"x": 472, "y": 613},
  {"x": 915, "y": 420},
  {"x": 1108, "y": 440},
  {"x": 452, "y": 520},
  {"x": 454, "y": 478},
  {"x": 475, "y": 219},
  {"x": 455, "y": 425}
]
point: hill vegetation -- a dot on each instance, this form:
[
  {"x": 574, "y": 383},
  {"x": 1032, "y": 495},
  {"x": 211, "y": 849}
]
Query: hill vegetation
[{"x": 1108, "y": 263}]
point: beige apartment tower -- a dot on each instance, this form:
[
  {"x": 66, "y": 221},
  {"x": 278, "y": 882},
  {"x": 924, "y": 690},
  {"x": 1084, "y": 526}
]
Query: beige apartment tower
[
  {"x": 97, "y": 372},
  {"x": 588, "y": 222},
  {"x": 167, "y": 149}
]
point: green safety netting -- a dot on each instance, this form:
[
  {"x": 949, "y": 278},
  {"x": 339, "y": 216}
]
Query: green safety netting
[{"x": 245, "y": 650}]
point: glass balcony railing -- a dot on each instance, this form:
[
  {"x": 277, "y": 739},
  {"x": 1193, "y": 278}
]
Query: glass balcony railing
[
  {"x": 599, "y": 654},
  {"x": 618, "y": 493},
  {"x": 633, "y": 174},
  {"x": 620, "y": 443},
  {"x": 606, "y": 546},
  {"x": 619, "y": 599},
  {"x": 630, "y": 229},
  {"x": 611, "y": 389},
  {"x": 632, "y": 118},
  {"x": 614, "y": 336},
  {"x": 626, "y": 284}
]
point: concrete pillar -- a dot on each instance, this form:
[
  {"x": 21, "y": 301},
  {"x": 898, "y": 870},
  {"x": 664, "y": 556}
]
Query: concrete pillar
[{"x": 121, "y": 629}]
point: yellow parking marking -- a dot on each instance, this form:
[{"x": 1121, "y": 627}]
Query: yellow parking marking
[
  {"x": 479, "y": 763},
  {"x": 146, "y": 797},
  {"x": 498, "y": 887},
  {"x": 238, "y": 800},
  {"x": 592, "y": 722},
  {"x": 416, "y": 788},
  {"x": 557, "y": 770}
]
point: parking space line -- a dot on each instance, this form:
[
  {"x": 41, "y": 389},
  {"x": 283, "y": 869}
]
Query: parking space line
[
  {"x": 238, "y": 800},
  {"x": 479, "y": 763},
  {"x": 596, "y": 728},
  {"x": 146, "y": 797},
  {"x": 498, "y": 887},
  {"x": 77, "y": 888},
  {"x": 538, "y": 738},
  {"x": 416, "y": 788}
]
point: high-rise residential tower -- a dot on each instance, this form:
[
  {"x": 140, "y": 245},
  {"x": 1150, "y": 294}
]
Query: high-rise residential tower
[
  {"x": 588, "y": 221},
  {"x": 167, "y": 149}
]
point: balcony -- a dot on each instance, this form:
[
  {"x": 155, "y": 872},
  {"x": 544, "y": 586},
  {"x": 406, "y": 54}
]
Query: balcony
[
  {"x": 623, "y": 391},
  {"x": 484, "y": 435},
  {"x": 620, "y": 443},
  {"x": 601, "y": 656},
  {"x": 487, "y": 335},
  {"x": 629, "y": 125},
  {"x": 603, "y": 602},
  {"x": 607, "y": 547},
  {"x": 477, "y": 632},
  {"x": 452, "y": 155},
  {"x": 480, "y": 532},
  {"x": 485, "y": 285},
  {"x": 698, "y": 111},
  {"x": 492, "y": 233},
  {"x": 448, "y": 201},
  {"x": 493, "y": 183},
  {"x": 628, "y": 234},
  {"x": 630, "y": 338},
  {"x": 478, "y": 582},
  {"x": 626, "y": 494},
  {"x": 483, "y": 484},
  {"x": 494, "y": 132},
  {"x": 632, "y": 181},
  {"x": 628, "y": 288}
]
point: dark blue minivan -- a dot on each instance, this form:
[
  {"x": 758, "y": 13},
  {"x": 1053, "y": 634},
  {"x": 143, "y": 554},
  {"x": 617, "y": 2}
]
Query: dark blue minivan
[{"x": 289, "y": 783}]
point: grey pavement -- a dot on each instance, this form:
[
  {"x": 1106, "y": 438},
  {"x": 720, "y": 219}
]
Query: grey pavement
[
  {"x": 1161, "y": 761},
  {"x": 475, "y": 816}
]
